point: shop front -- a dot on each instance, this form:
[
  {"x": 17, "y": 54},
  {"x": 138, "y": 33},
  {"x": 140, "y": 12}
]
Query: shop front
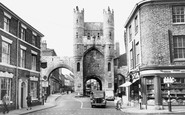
[{"x": 155, "y": 92}]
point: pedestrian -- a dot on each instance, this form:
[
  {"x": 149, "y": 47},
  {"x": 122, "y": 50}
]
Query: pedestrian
[
  {"x": 6, "y": 101},
  {"x": 29, "y": 104}
]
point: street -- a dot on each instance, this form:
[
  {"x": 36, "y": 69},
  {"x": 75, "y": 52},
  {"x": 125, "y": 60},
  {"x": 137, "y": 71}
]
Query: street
[{"x": 69, "y": 105}]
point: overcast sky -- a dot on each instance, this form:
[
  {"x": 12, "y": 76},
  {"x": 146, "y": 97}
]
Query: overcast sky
[{"x": 54, "y": 18}]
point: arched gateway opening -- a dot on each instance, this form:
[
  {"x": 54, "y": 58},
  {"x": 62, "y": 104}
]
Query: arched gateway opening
[
  {"x": 92, "y": 83},
  {"x": 93, "y": 70},
  {"x": 55, "y": 76}
]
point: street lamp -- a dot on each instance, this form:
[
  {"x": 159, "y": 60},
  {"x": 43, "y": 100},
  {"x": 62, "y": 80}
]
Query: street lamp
[{"x": 168, "y": 81}]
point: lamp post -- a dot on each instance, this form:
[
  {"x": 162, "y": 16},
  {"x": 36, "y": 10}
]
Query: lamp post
[{"x": 169, "y": 80}]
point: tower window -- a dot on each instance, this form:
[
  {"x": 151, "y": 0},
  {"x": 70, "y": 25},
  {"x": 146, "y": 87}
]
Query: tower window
[
  {"x": 98, "y": 35},
  {"x": 109, "y": 66},
  {"x": 76, "y": 34},
  {"x": 110, "y": 34},
  {"x": 78, "y": 66},
  {"x": 76, "y": 20},
  {"x": 88, "y": 35}
]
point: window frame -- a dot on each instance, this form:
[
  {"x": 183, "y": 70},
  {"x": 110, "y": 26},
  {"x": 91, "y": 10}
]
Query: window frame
[
  {"x": 5, "y": 55},
  {"x": 137, "y": 53},
  {"x": 131, "y": 59},
  {"x": 22, "y": 58},
  {"x": 130, "y": 33},
  {"x": 6, "y": 24},
  {"x": 7, "y": 87},
  {"x": 23, "y": 33},
  {"x": 34, "y": 62},
  {"x": 178, "y": 48},
  {"x": 33, "y": 89},
  {"x": 178, "y": 16},
  {"x": 136, "y": 24}
]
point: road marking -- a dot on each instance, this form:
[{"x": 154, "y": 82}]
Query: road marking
[{"x": 80, "y": 102}]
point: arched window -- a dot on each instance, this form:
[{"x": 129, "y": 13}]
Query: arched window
[
  {"x": 78, "y": 66},
  {"x": 109, "y": 66}
]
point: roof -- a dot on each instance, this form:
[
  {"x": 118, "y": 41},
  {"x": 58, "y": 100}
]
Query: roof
[
  {"x": 22, "y": 21},
  {"x": 139, "y": 4},
  {"x": 49, "y": 52}
]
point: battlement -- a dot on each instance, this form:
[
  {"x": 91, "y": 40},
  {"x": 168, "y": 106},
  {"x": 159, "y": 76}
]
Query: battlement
[
  {"x": 78, "y": 11},
  {"x": 108, "y": 11}
]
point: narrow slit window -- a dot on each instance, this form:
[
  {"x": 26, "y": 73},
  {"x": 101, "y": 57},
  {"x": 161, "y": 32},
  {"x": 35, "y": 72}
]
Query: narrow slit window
[
  {"x": 109, "y": 66},
  {"x": 78, "y": 66}
]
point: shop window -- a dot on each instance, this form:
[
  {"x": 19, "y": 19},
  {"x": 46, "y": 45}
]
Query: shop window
[
  {"x": 150, "y": 91},
  {"x": 33, "y": 90},
  {"x": 78, "y": 66},
  {"x": 177, "y": 92},
  {"x": 5, "y": 87}
]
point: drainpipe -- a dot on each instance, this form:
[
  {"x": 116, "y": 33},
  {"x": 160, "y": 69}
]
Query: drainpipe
[{"x": 17, "y": 80}]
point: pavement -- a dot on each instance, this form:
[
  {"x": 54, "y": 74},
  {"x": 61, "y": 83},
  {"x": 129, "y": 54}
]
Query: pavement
[
  {"x": 51, "y": 102},
  {"x": 152, "y": 111}
]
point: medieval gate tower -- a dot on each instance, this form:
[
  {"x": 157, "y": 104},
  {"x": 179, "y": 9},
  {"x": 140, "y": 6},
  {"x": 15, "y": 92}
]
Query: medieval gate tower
[{"x": 93, "y": 50}]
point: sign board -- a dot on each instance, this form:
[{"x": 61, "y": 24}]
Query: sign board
[
  {"x": 169, "y": 79},
  {"x": 44, "y": 83}
]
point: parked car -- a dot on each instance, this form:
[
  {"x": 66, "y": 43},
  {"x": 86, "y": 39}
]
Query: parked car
[
  {"x": 98, "y": 99},
  {"x": 109, "y": 95}
]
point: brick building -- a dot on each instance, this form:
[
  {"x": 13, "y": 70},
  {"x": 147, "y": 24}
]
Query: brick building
[
  {"x": 155, "y": 45},
  {"x": 20, "y": 59}
]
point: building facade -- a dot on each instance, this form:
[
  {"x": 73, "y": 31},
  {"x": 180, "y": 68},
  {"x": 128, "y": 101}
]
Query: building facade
[
  {"x": 93, "y": 51},
  {"x": 53, "y": 82},
  {"x": 155, "y": 37},
  {"x": 20, "y": 59}
]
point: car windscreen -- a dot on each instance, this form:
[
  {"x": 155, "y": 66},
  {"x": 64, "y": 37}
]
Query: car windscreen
[{"x": 98, "y": 94}]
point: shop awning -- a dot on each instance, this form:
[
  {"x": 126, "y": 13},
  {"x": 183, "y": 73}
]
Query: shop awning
[{"x": 127, "y": 83}]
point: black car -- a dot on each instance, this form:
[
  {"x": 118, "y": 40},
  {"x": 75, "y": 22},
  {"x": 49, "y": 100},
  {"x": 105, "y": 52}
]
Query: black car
[{"x": 98, "y": 98}]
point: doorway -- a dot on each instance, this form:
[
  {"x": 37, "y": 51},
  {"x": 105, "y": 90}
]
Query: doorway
[{"x": 23, "y": 94}]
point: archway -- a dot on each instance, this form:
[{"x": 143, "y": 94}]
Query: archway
[
  {"x": 92, "y": 83},
  {"x": 93, "y": 67},
  {"x": 57, "y": 81},
  {"x": 120, "y": 79}
]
